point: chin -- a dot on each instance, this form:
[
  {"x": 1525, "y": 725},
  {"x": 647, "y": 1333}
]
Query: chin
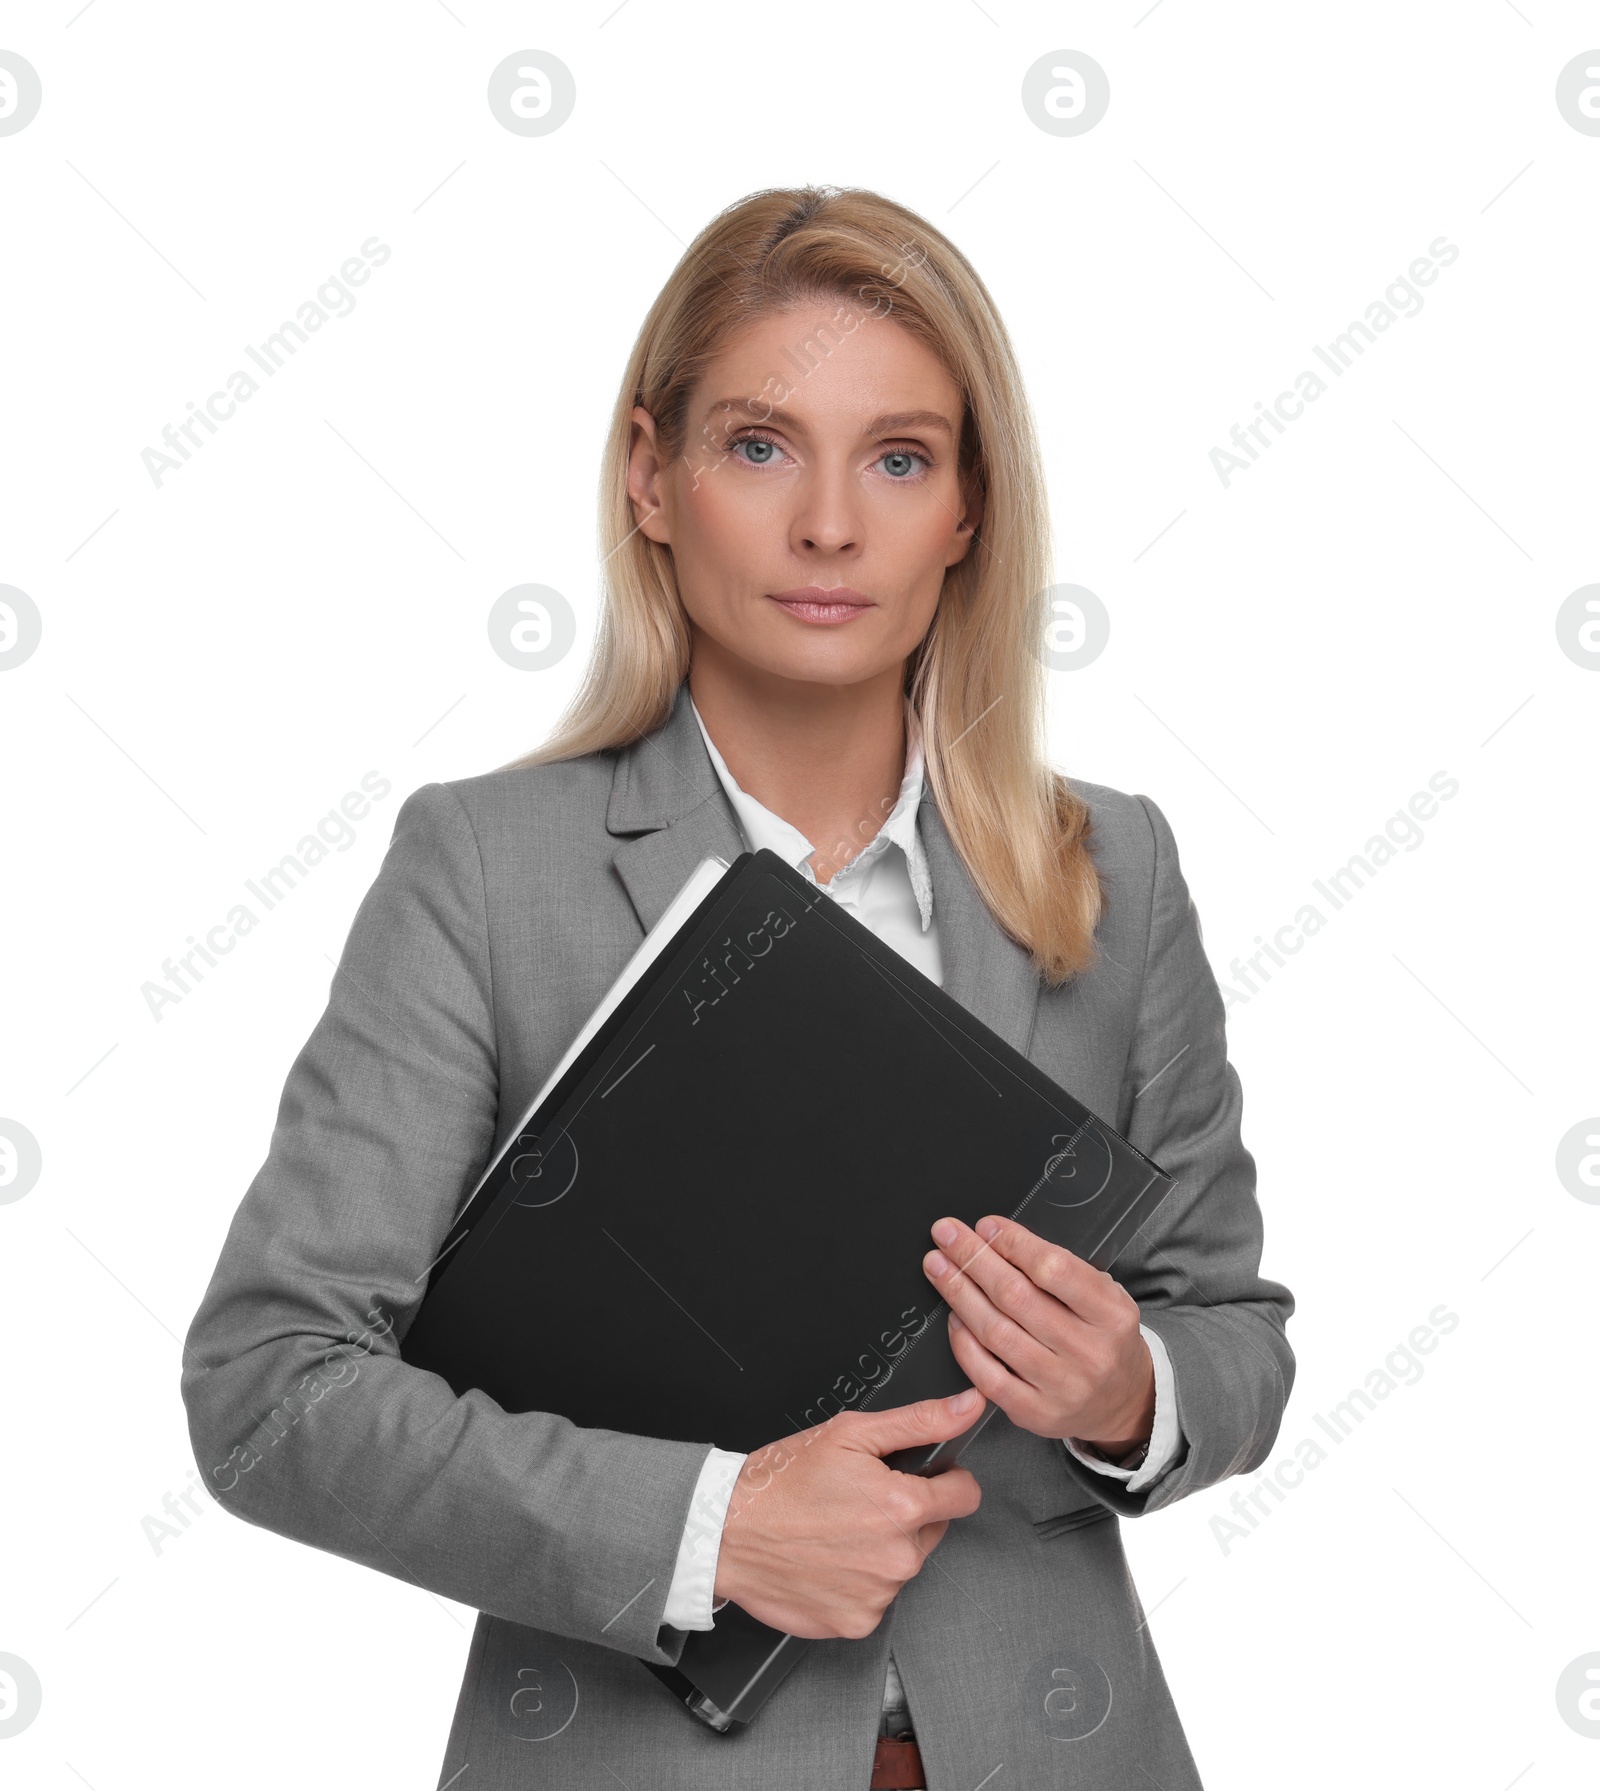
[
  {"x": 810, "y": 664},
  {"x": 822, "y": 668}
]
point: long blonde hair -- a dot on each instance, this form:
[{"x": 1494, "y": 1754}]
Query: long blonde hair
[{"x": 975, "y": 680}]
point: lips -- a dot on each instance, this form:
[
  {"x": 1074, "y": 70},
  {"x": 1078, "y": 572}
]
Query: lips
[{"x": 817, "y": 603}]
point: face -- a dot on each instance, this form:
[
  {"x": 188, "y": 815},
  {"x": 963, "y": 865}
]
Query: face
[{"x": 811, "y": 514}]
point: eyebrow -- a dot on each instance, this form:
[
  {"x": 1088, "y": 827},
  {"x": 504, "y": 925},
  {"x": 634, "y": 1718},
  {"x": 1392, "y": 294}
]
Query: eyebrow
[{"x": 887, "y": 424}]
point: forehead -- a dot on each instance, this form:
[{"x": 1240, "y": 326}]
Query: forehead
[{"x": 829, "y": 361}]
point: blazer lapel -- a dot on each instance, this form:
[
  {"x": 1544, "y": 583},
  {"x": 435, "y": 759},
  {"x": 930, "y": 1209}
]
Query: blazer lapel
[
  {"x": 666, "y": 796},
  {"x": 654, "y": 867}
]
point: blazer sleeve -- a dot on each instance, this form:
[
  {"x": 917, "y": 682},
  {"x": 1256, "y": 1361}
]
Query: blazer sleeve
[
  {"x": 1195, "y": 1269},
  {"x": 303, "y": 1417}
]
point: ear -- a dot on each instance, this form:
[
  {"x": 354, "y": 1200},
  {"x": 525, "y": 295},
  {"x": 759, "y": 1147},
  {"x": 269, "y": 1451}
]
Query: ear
[
  {"x": 647, "y": 479},
  {"x": 971, "y": 517}
]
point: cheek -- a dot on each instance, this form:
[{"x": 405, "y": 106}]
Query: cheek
[
  {"x": 724, "y": 519},
  {"x": 923, "y": 528},
  {"x": 918, "y": 537}
]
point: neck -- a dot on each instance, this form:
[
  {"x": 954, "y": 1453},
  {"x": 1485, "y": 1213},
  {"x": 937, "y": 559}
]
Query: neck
[{"x": 828, "y": 758}]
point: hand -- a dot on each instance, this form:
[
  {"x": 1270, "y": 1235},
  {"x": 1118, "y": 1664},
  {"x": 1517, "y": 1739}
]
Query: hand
[
  {"x": 1052, "y": 1340},
  {"x": 820, "y": 1536}
]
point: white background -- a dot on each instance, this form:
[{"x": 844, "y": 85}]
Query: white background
[{"x": 224, "y": 656}]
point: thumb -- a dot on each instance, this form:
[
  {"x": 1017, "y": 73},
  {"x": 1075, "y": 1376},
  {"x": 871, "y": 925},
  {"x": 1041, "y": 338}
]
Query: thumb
[{"x": 926, "y": 1421}]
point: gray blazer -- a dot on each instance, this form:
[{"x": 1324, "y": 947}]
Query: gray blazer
[{"x": 505, "y": 906}]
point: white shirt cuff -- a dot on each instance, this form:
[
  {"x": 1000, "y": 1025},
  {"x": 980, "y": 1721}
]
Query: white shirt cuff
[
  {"x": 1164, "y": 1436},
  {"x": 689, "y": 1596}
]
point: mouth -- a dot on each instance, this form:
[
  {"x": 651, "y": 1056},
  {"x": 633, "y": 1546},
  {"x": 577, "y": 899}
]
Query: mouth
[{"x": 811, "y": 603}]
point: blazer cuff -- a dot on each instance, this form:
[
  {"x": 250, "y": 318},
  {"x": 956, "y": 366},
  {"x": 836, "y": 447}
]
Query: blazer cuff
[
  {"x": 689, "y": 1603},
  {"x": 1164, "y": 1433}
]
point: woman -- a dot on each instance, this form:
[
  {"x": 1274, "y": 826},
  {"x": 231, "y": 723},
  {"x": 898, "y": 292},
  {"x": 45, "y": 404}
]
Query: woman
[{"x": 825, "y": 537}]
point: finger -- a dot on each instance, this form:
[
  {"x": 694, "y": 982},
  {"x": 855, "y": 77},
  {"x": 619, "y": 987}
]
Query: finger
[
  {"x": 1017, "y": 1350},
  {"x": 924, "y": 1500},
  {"x": 1089, "y": 1292},
  {"x": 992, "y": 1295},
  {"x": 1017, "y": 1396},
  {"x": 931, "y": 1535},
  {"x": 952, "y": 1492}
]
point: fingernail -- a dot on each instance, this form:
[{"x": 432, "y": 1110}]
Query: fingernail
[
  {"x": 963, "y": 1403},
  {"x": 936, "y": 1264},
  {"x": 986, "y": 1228},
  {"x": 944, "y": 1232}
]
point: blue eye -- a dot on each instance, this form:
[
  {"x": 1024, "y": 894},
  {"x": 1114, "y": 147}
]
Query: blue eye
[
  {"x": 903, "y": 465},
  {"x": 903, "y": 456},
  {"x": 765, "y": 458}
]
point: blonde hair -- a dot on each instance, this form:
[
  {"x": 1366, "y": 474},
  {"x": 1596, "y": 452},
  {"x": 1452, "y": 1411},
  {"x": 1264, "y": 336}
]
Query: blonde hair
[{"x": 975, "y": 680}]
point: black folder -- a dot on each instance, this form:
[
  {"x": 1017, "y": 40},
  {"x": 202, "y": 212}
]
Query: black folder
[{"x": 711, "y": 1228}]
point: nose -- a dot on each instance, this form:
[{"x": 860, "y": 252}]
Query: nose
[{"x": 827, "y": 516}]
